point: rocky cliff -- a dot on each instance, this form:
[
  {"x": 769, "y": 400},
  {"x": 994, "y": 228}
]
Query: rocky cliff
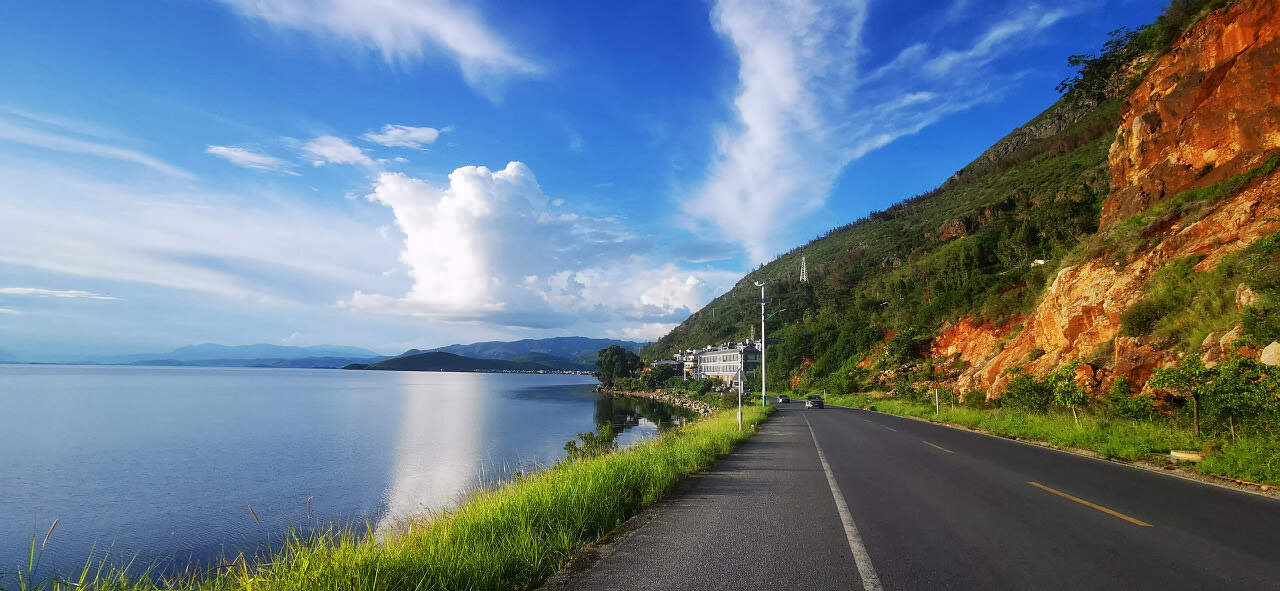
[{"x": 1204, "y": 113}]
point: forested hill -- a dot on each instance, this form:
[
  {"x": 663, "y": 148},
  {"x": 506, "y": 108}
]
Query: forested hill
[{"x": 954, "y": 276}]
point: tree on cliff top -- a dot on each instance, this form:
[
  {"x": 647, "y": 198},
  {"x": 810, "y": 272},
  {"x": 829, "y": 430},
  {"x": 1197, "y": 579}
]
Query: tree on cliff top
[{"x": 615, "y": 362}]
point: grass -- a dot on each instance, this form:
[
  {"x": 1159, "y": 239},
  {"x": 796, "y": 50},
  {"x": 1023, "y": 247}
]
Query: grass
[
  {"x": 512, "y": 537},
  {"x": 1255, "y": 458}
]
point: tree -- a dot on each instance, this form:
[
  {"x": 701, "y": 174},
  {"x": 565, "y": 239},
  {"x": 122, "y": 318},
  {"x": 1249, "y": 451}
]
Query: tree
[
  {"x": 658, "y": 375},
  {"x": 1189, "y": 379},
  {"x": 1066, "y": 392},
  {"x": 615, "y": 362}
]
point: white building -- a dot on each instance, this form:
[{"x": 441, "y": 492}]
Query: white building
[{"x": 725, "y": 362}]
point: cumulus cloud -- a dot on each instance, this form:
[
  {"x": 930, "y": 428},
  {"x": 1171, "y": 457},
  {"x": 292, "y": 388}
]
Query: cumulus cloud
[
  {"x": 487, "y": 248},
  {"x": 803, "y": 110},
  {"x": 248, "y": 159},
  {"x": 402, "y": 32},
  {"x": 403, "y": 136},
  {"x": 52, "y": 293},
  {"x": 328, "y": 149}
]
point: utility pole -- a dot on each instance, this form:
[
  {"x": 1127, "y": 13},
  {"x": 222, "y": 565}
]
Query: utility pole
[
  {"x": 741, "y": 376},
  {"x": 763, "y": 379}
]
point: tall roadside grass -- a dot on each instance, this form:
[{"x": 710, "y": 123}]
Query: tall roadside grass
[
  {"x": 512, "y": 537},
  {"x": 1255, "y": 458}
]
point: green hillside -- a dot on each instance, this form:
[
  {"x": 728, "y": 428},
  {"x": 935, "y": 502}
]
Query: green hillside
[{"x": 888, "y": 282}]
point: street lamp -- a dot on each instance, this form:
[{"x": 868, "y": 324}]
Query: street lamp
[
  {"x": 763, "y": 381},
  {"x": 741, "y": 376}
]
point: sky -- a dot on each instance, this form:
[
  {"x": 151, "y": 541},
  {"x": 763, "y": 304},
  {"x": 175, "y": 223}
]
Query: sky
[{"x": 398, "y": 174}]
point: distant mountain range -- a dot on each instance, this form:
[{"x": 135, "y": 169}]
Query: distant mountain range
[
  {"x": 441, "y": 361},
  {"x": 209, "y": 351},
  {"x": 581, "y": 350},
  {"x": 558, "y": 353}
]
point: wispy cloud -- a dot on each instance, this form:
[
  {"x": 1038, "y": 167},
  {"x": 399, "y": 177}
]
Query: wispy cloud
[
  {"x": 249, "y": 159},
  {"x": 402, "y": 32},
  {"x": 803, "y": 109},
  {"x": 53, "y": 293},
  {"x": 10, "y": 311},
  {"x": 328, "y": 149},
  {"x": 52, "y": 141},
  {"x": 258, "y": 246},
  {"x": 404, "y": 136}
]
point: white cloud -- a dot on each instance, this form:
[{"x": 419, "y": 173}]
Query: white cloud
[
  {"x": 403, "y": 136},
  {"x": 334, "y": 150},
  {"x": 402, "y": 32},
  {"x": 486, "y": 248},
  {"x": 10, "y": 311},
  {"x": 249, "y": 159},
  {"x": 651, "y": 331},
  {"x": 62, "y": 143},
  {"x": 53, "y": 293},
  {"x": 803, "y": 112},
  {"x": 256, "y": 247}
]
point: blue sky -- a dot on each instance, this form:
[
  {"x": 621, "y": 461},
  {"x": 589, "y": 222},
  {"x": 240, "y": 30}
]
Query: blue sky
[{"x": 395, "y": 174}]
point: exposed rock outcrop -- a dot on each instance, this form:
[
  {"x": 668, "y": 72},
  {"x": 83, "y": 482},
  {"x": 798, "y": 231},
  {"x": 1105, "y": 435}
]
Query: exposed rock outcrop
[{"x": 1206, "y": 111}]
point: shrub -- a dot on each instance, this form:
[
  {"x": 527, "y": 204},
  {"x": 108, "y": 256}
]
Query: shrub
[
  {"x": 1123, "y": 403},
  {"x": 1142, "y": 318},
  {"x": 1028, "y": 393},
  {"x": 603, "y": 441}
]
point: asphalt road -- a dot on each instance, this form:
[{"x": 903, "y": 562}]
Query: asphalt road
[{"x": 930, "y": 507}]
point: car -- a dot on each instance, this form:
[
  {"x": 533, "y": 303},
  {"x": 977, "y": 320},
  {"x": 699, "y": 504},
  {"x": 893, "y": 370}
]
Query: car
[
  {"x": 784, "y": 399},
  {"x": 813, "y": 401}
]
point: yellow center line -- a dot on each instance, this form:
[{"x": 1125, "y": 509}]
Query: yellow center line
[
  {"x": 938, "y": 446},
  {"x": 1091, "y": 505}
]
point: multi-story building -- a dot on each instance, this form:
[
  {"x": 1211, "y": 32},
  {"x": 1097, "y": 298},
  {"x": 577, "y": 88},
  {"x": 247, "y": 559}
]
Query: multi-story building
[{"x": 726, "y": 362}]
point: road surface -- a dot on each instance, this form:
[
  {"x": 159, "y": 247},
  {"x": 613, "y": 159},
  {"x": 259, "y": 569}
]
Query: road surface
[{"x": 849, "y": 499}]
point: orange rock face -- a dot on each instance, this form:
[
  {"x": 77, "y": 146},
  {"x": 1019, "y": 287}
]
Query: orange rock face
[
  {"x": 974, "y": 341},
  {"x": 1207, "y": 110},
  {"x": 1081, "y": 309}
]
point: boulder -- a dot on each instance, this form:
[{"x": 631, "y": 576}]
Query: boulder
[
  {"x": 1231, "y": 337},
  {"x": 1271, "y": 355},
  {"x": 1245, "y": 296}
]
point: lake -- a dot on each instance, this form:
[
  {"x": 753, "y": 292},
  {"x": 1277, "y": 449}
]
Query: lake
[{"x": 163, "y": 463}]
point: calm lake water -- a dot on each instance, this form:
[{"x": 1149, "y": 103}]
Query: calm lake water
[{"x": 165, "y": 462}]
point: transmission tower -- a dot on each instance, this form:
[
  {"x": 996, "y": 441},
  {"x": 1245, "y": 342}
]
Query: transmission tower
[{"x": 804, "y": 270}]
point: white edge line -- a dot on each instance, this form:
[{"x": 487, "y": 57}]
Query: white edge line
[{"x": 862, "y": 560}]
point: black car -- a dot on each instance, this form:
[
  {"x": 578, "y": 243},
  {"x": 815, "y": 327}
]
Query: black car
[
  {"x": 784, "y": 399},
  {"x": 813, "y": 401}
]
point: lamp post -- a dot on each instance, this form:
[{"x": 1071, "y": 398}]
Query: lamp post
[
  {"x": 741, "y": 376},
  {"x": 763, "y": 380}
]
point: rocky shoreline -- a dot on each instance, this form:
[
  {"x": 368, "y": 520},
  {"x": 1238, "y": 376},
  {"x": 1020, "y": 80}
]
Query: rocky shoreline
[{"x": 663, "y": 397}]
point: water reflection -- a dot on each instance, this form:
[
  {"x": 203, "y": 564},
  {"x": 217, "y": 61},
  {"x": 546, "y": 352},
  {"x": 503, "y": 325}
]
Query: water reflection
[
  {"x": 625, "y": 413},
  {"x": 436, "y": 456}
]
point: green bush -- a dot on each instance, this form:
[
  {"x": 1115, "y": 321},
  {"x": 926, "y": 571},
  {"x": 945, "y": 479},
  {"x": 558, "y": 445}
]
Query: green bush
[
  {"x": 1124, "y": 404},
  {"x": 1027, "y": 393},
  {"x": 1261, "y": 323},
  {"x": 1142, "y": 317}
]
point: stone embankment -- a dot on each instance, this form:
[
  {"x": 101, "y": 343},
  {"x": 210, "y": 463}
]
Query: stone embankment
[{"x": 663, "y": 397}]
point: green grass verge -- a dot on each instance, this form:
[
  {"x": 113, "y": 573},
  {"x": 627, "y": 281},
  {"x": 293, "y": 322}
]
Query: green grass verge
[
  {"x": 1255, "y": 458},
  {"x": 513, "y": 537}
]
